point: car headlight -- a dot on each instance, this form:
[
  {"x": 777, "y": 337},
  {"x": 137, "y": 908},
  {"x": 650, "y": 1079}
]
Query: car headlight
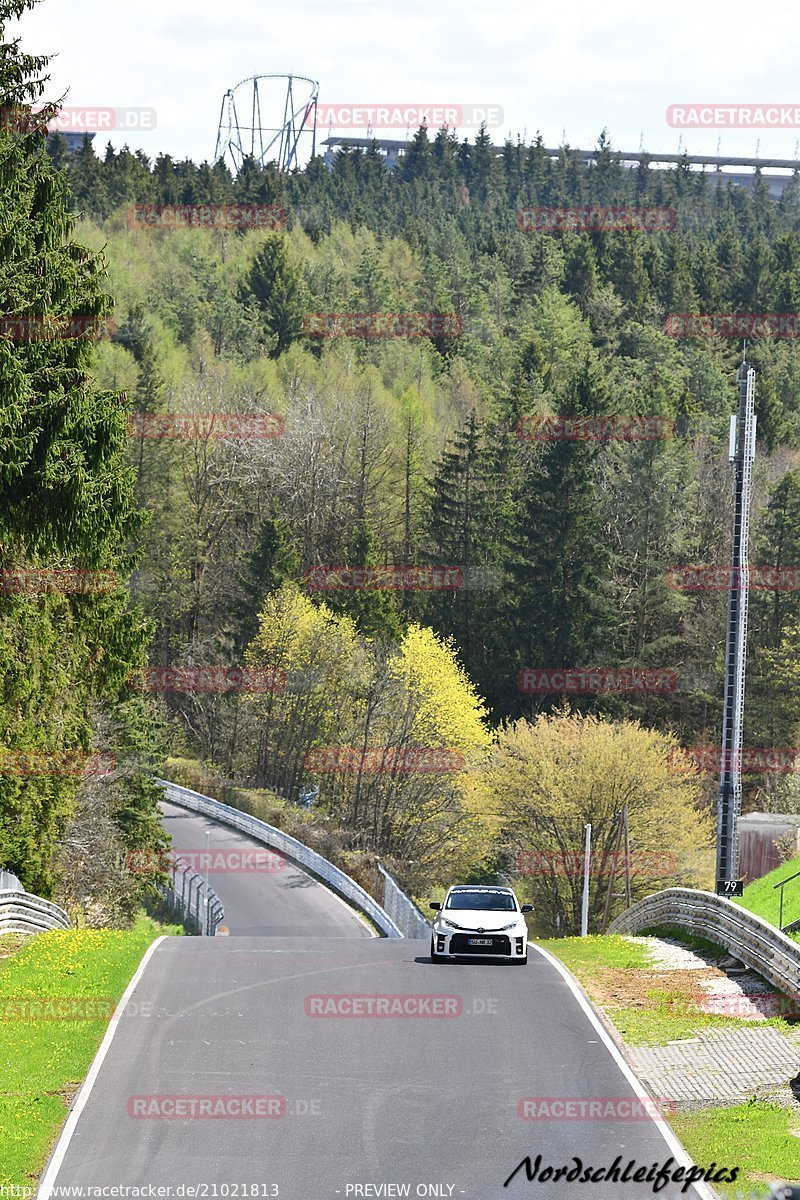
[
  {"x": 450, "y": 924},
  {"x": 503, "y": 928}
]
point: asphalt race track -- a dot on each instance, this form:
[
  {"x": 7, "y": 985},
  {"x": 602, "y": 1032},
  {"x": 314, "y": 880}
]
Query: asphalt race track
[
  {"x": 285, "y": 902},
  {"x": 426, "y": 1104}
]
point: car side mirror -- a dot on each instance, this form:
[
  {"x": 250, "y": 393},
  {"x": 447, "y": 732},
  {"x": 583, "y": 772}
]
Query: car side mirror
[
  {"x": 435, "y": 904},
  {"x": 526, "y": 908}
]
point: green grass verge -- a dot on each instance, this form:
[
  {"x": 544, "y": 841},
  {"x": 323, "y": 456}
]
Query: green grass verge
[
  {"x": 587, "y": 956},
  {"x": 45, "y": 1059},
  {"x": 664, "y": 1014},
  {"x": 763, "y": 898},
  {"x": 668, "y": 1018},
  {"x": 756, "y": 1137}
]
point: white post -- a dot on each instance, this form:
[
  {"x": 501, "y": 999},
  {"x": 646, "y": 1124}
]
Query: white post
[{"x": 587, "y": 857}]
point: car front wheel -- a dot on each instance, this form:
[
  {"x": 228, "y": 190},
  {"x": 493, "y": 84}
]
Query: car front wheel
[{"x": 437, "y": 958}]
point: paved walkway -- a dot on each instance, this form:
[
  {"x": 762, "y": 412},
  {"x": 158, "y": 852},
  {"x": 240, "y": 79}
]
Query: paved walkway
[
  {"x": 728, "y": 1065},
  {"x": 721, "y": 1065}
]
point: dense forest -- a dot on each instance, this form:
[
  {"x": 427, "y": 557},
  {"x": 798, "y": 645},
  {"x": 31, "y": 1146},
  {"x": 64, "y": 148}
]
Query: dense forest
[
  {"x": 414, "y": 450},
  {"x": 221, "y": 457}
]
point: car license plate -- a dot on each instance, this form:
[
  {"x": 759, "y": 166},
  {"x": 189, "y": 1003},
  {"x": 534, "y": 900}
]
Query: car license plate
[{"x": 480, "y": 942}]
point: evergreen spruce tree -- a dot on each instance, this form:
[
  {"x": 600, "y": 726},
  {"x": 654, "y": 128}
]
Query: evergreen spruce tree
[
  {"x": 66, "y": 495},
  {"x": 274, "y": 287},
  {"x": 559, "y": 605},
  {"x": 376, "y": 611},
  {"x": 469, "y": 526},
  {"x": 274, "y": 559}
]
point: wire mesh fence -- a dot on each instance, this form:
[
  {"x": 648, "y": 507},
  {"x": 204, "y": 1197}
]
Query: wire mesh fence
[
  {"x": 403, "y": 911},
  {"x": 192, "y": 900}
]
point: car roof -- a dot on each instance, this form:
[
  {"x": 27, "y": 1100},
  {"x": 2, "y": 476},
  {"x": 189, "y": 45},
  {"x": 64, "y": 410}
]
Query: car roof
[{"x": 480, "y": 887}]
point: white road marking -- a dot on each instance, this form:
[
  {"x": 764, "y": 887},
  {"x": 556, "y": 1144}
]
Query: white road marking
[
  {"x": 675, "y": 1148},
  {"x": 62, "y": 1145}
]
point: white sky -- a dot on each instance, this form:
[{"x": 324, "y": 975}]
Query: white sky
[{"x": 567, "y": 69}]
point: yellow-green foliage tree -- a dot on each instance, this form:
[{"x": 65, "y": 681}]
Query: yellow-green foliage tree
[
  {"x": 389, "y": 735},
  {"x": 433, "y": 720},
  {"x": 548, "y": 778},
  {"x": 320, "y": 672}
]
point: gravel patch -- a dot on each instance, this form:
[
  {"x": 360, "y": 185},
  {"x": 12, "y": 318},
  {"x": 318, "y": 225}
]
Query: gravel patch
[{"x": 744, "y": 995}]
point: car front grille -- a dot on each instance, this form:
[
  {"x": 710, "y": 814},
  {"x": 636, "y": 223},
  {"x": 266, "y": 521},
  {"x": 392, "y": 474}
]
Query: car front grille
[{"x": 459, "y": 944}]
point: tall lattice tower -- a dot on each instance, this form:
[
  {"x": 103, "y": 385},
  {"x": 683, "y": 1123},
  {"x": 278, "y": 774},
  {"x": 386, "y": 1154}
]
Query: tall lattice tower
[{"x": 741, "y": 454}]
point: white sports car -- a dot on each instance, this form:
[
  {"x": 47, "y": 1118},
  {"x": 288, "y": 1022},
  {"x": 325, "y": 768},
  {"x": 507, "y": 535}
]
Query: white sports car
[{"x": 480, "y": 921}]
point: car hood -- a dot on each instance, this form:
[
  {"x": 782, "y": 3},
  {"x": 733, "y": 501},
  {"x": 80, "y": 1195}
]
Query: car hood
[{"x": 476, "y": 918}]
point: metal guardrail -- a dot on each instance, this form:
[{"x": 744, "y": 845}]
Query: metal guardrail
[
  {"x": 197, "y": 905},
  {"x": 402, "y": 909},
  {"x": 195, "y": 902},
  {"x": 290, "y": 847},
  {"x": 22, "y": 912},
  {"x": 747, "y": 937},
  {"x": 782, "y": 884}
]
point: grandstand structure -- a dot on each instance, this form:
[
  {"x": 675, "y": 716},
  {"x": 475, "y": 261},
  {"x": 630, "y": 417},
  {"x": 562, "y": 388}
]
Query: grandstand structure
[{"x": 726, "y": 168}]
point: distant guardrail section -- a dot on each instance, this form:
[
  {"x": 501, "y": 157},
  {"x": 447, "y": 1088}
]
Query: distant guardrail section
[
  {"x": 750, "y": 939},
  {"x": 22, "y": 912},
  {"x": 290, "y": 847}
]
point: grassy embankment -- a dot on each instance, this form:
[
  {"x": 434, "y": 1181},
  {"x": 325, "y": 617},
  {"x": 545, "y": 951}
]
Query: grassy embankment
[
  {"x": 57, "y": 995},
  {"x": 648, "y": 1006}
]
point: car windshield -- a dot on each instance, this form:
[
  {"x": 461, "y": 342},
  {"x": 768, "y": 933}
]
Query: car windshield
[{"x": 487, "y": 901}]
